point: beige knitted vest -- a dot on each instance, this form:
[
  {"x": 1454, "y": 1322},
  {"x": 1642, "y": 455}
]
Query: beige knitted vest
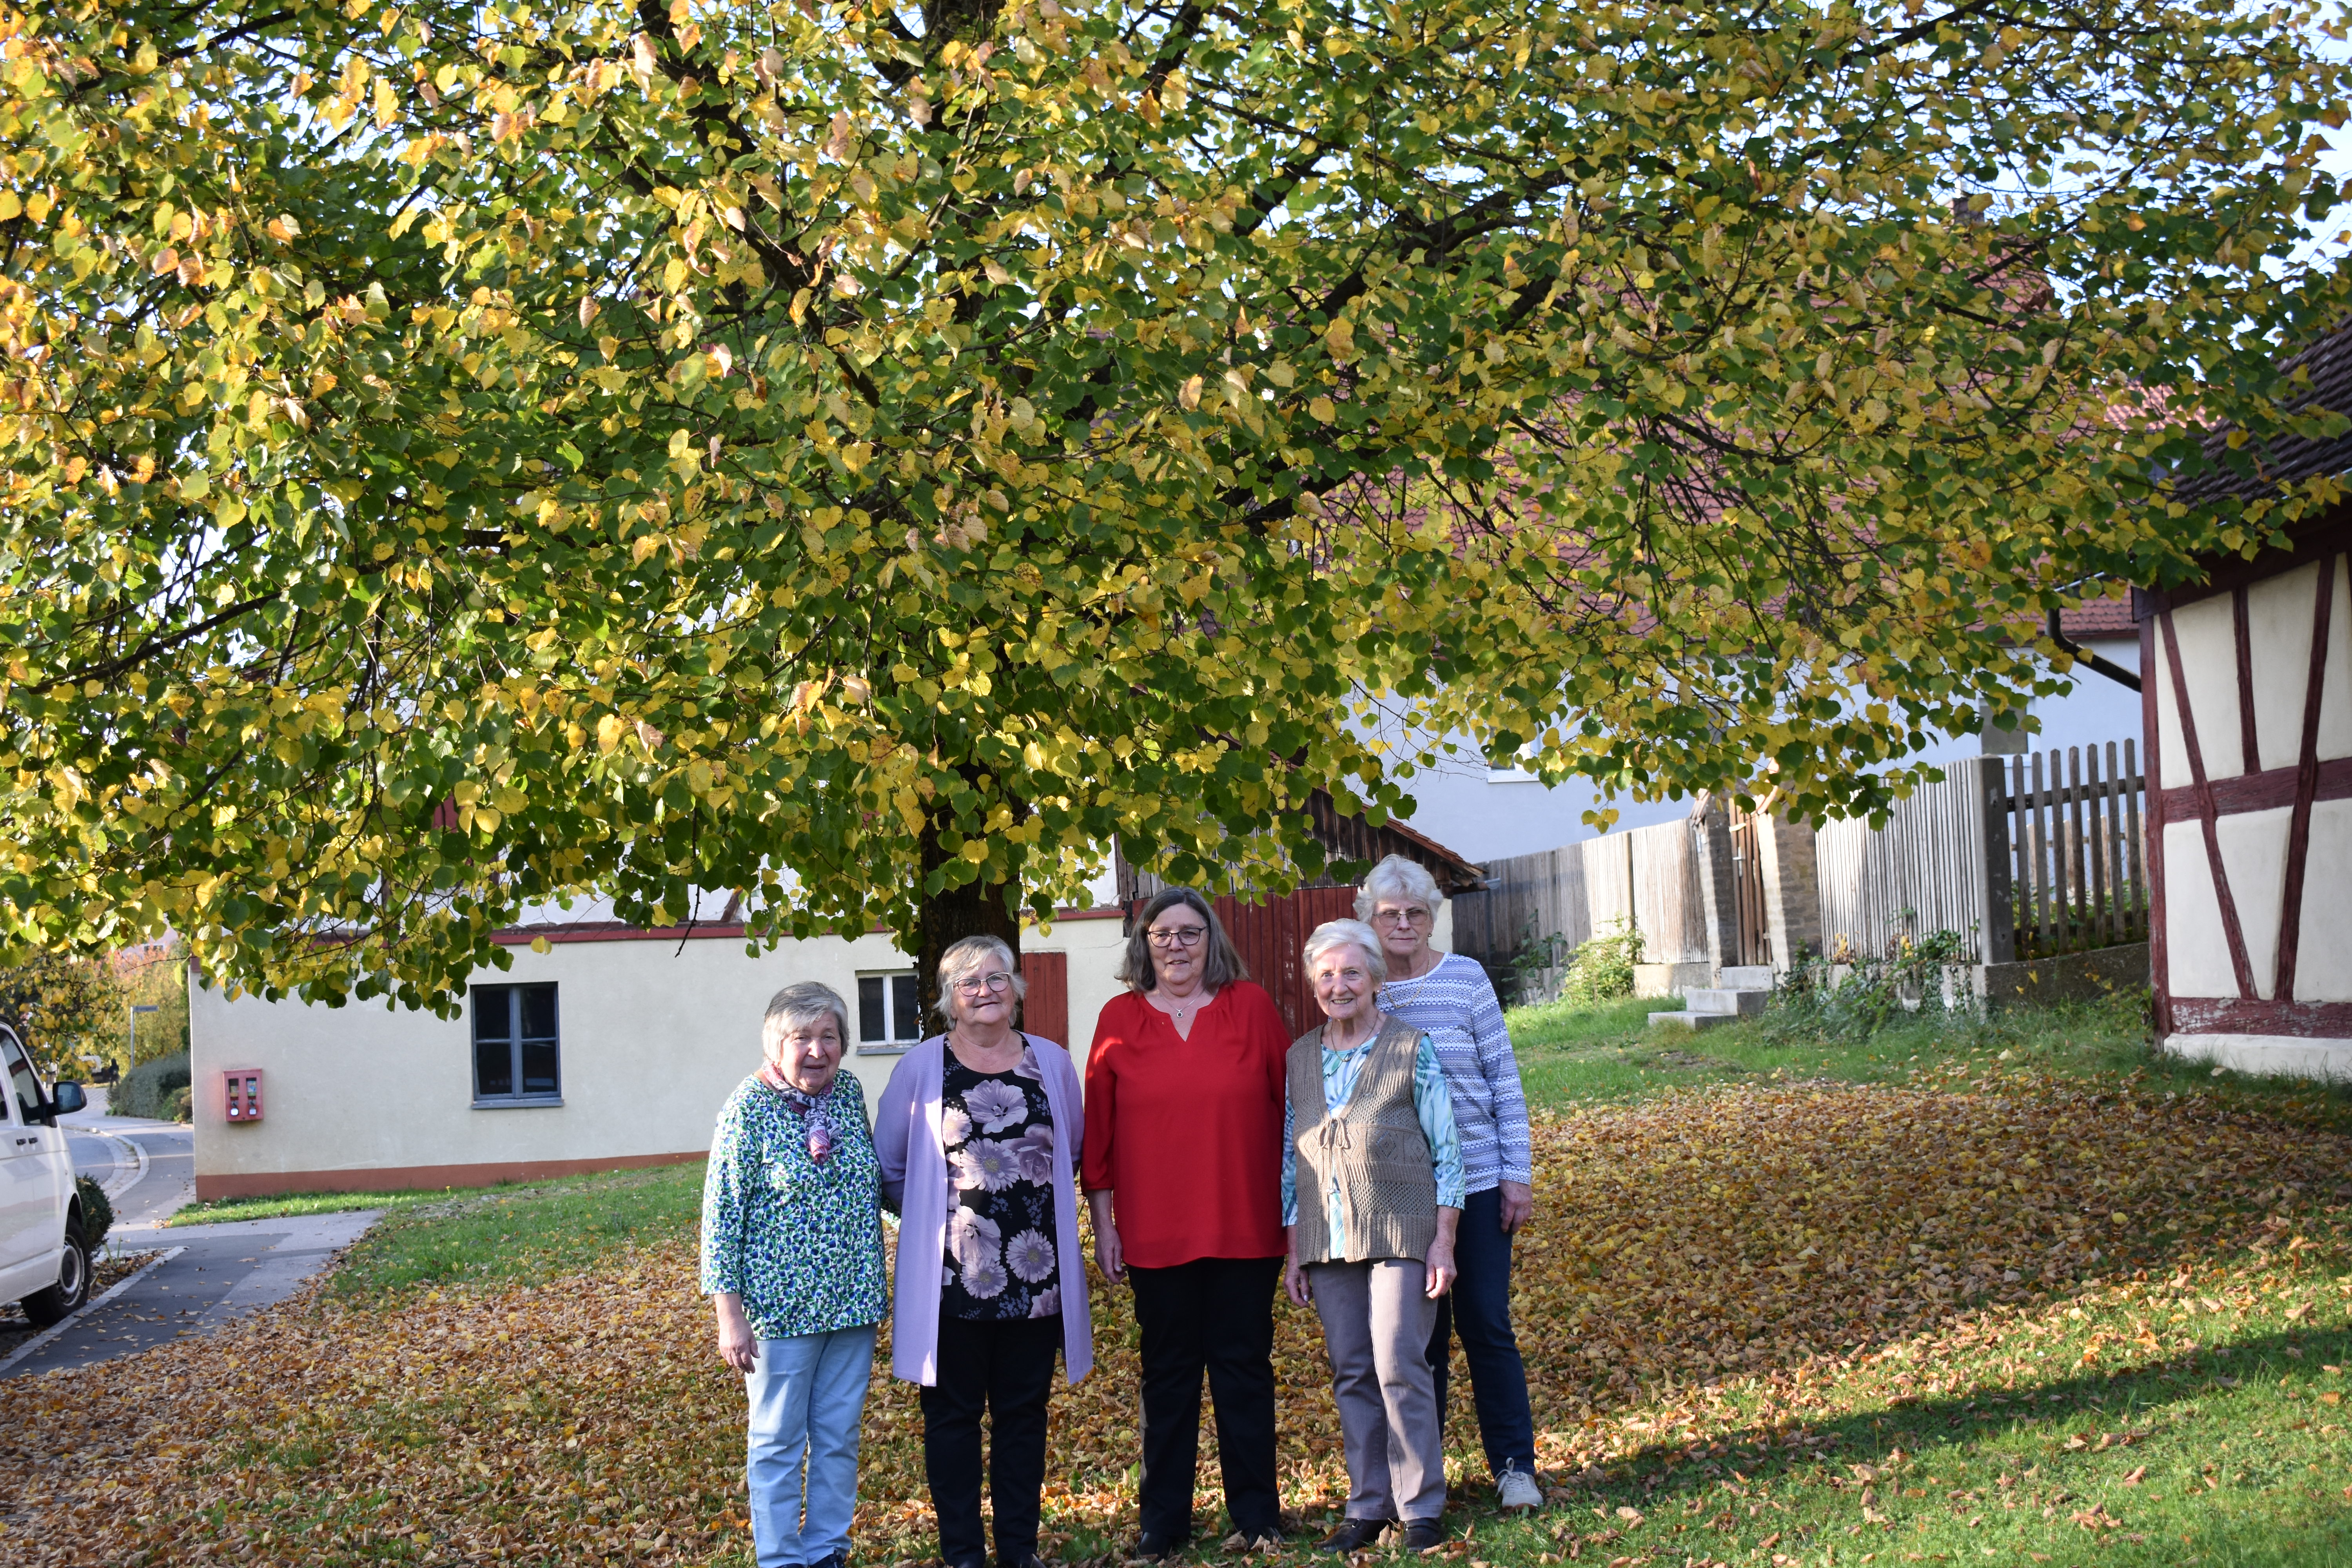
[{"x": 1388, "y": 1180}]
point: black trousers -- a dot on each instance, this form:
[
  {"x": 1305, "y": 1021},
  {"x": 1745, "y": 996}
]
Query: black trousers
[
  {"x": 1214, "y": 1314},
  {"x": 1005, "y": 1368}
]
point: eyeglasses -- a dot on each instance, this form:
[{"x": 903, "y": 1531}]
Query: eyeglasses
[
  {"x": 1183, "y": 936},
  {"x": 999, "y": 981},
  {"x": 1399, "y": 917}
]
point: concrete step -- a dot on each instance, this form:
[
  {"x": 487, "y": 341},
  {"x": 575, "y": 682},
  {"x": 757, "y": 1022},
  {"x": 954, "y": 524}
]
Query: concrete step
[
  {"x": 1745, "y": 976},
  {"x": 1691, "y": 1021},
  {"x": 1737, "y": 1003}
]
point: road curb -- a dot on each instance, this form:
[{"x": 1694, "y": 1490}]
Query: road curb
[
  {"x": 73, "y": 1320},
  {"x": 115, "y": 1189}
]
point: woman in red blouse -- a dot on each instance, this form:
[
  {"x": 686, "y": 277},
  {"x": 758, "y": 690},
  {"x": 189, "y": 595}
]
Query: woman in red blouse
[{"x": 1183, "y": 1171}]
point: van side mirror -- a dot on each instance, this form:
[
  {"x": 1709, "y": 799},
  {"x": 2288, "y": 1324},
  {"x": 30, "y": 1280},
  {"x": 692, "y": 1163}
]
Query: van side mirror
[{"x": 69, "y": 1098}]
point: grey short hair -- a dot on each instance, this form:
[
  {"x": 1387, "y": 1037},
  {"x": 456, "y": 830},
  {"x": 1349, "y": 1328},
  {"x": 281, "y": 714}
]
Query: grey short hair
[
  {"x": 1345, "y": 934},
  {"x": 1220, "y": 967},
  {"x": 1394, "y": 877},
  {"x": 962, "y": 957},
  {"x": 805, "y": 1002}
]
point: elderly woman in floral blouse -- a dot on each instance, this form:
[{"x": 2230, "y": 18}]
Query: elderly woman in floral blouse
[
  {"x": 791, "y": 1252},
  {"x": 979, "y": 1140}
]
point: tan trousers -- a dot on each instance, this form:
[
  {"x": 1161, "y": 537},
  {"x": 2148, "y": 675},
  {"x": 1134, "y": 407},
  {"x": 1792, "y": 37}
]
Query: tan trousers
[{"x": 1376, "y": 1326}]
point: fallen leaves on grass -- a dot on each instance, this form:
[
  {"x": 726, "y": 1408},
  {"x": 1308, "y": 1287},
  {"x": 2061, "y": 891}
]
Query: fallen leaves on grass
[{"x": 1702, "y": 1266}]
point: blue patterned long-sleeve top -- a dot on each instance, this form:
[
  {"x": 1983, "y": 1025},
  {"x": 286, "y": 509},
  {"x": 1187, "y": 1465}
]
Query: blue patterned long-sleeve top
[
  {"x": 799, "y": 1240},
  {"x": 1432, "y": 1106},
  {"x": 1455, "y": 1005}
]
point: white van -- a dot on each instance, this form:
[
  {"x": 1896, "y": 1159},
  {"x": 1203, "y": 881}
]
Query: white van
[{"x": 44, "y": 1260}]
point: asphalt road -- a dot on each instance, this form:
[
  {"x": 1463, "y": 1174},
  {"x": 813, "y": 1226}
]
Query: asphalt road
[{"x": 113, "y": 1149}]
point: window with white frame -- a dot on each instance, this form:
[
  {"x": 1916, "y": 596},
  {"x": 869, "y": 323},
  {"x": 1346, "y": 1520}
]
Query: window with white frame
[
  {"x": 888, "y": 1017},
  {"x": 517, "y": 1052}
]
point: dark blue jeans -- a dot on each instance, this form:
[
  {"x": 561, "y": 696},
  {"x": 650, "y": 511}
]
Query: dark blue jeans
[{"x": 1479, "y": 1309}]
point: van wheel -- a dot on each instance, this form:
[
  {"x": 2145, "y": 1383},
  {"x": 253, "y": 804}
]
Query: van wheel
[{"x": 72, "y": 1289}]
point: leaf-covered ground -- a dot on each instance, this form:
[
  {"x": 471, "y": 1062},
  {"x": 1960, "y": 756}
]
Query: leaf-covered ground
[{"x": 2008, "y": 1318}]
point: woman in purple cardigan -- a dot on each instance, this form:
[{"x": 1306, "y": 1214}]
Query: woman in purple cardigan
[{"x": 978, "y": 1140}]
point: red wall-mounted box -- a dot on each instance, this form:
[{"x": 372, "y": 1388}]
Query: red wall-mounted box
[{"x": 242, "y": 1087}]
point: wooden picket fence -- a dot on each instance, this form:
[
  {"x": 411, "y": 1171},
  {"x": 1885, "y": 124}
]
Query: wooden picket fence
[
  {"x": 2078, "y": 878},
  {"x": 2021, "y": 858}
]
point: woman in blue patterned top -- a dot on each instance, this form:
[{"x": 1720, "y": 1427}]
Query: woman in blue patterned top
[
  {"x": 1449, "y": 998},
  {"x": 791, "y": 1253}
]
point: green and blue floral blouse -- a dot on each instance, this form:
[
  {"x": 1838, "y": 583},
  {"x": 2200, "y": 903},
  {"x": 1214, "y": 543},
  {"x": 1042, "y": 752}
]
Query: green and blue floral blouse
[{"x": 799, "y": 1239}]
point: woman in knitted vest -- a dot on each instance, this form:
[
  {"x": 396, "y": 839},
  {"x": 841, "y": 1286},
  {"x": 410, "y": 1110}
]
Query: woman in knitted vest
[{"x": 1370, "y": 1143}]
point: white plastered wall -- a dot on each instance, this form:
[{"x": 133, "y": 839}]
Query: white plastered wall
[{"x": 655, "y": 1035}]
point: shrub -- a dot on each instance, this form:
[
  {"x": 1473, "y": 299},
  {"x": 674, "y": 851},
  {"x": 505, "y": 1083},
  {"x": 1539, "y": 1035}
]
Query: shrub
[
  {"x": 180, "y": 1105},
  {"x": 1602, "y": 970},
  {"x": 145, "y": 1088},
  {"x": 96, "y": 1211},
  {"x": 1875, "y": 991}
]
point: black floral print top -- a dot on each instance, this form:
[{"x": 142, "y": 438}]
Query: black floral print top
[{"x": 999, "y": 1133}]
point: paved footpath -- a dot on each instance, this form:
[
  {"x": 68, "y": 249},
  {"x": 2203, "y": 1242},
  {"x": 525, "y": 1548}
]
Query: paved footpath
[
  {"x": 217, "y": 1272},
  {"x": 213, "y": 1272}
]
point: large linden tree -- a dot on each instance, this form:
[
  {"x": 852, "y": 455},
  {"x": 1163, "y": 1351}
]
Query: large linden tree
[{"x": 871, "y": 457}]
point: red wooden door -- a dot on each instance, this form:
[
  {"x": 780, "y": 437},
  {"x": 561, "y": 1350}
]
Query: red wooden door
[
  {"x": 1046, "y": 1013},
  {"x": 1269, "y": 935}
]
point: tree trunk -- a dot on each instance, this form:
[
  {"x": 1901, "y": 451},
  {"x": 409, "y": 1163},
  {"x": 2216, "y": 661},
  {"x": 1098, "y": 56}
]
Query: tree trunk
[{"x": 976, "y": 909}]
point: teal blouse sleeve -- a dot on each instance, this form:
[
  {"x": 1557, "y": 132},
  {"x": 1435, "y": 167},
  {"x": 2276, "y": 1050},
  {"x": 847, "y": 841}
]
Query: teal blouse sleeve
[
  {"x": 1432, "y": 1101},
  {"x": 1290, "y": 1161}
]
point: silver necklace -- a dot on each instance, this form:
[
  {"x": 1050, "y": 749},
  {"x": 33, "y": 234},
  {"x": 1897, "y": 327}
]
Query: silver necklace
[{"x": 1180, "y": 1013}]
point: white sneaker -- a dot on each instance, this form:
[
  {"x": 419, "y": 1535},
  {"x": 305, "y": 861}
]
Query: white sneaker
[{"x": 1518, "y": 1489}]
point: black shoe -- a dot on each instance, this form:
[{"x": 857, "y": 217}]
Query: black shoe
[
  {"x": 1353, "y": 1535},
  {"x": 1151, "y": 1548},
  {"x": 1420, "y": 1534}
]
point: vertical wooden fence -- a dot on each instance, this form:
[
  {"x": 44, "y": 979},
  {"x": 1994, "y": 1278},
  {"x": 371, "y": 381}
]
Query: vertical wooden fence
[
  {"x": 1926, "y": 870},
  {"x": 1647, "y": 878},
  {"x": 2078, "y": 876},
  {"x": 2021, "y": 858},
  {"x": 1752, "y": 924}
]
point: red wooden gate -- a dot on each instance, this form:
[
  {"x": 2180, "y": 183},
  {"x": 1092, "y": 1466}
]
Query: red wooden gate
[{"x": 1269, "y": 935}]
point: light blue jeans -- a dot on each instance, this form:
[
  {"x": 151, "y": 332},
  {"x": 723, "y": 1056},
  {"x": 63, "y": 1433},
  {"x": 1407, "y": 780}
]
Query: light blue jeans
[{"x": 808, "y": 1395}]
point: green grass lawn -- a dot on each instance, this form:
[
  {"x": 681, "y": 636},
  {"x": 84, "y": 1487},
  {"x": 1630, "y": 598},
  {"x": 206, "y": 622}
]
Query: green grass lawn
[
  {"x": 1999, "y": 1443},
  {"x": 1572, "y": 1055},
  {"x": 517, "y": 1234}
]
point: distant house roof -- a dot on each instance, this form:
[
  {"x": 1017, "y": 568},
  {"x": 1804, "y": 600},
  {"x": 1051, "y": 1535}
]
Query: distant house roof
[
  {"x": 2259, "y": 467},
  {"x": 1356, "y": 839},
  {"x": 2099, "y": 618}
]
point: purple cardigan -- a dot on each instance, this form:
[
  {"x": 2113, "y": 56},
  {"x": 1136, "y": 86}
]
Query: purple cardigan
[{"x": 915, "y": 1182}]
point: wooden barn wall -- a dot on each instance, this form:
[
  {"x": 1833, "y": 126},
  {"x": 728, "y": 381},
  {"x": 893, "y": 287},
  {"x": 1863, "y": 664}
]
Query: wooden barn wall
[
  {"x": 1269, "y": 935},
  {"x": 1925, "y": 871}
]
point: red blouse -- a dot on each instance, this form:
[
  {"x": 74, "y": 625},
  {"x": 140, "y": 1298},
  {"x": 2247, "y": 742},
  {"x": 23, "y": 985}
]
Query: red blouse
[{"x": 1187, "y": 1132}]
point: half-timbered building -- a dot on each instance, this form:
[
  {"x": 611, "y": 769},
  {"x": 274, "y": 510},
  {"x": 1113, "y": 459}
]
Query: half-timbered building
[{"x": 2247, "y": 700}]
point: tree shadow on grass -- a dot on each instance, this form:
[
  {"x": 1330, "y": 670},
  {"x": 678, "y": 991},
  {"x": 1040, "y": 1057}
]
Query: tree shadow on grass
[{"x": 2070, "y": 1435}]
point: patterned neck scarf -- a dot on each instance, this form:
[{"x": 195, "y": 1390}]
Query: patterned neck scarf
[{"x": 811, "y": 1106}]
